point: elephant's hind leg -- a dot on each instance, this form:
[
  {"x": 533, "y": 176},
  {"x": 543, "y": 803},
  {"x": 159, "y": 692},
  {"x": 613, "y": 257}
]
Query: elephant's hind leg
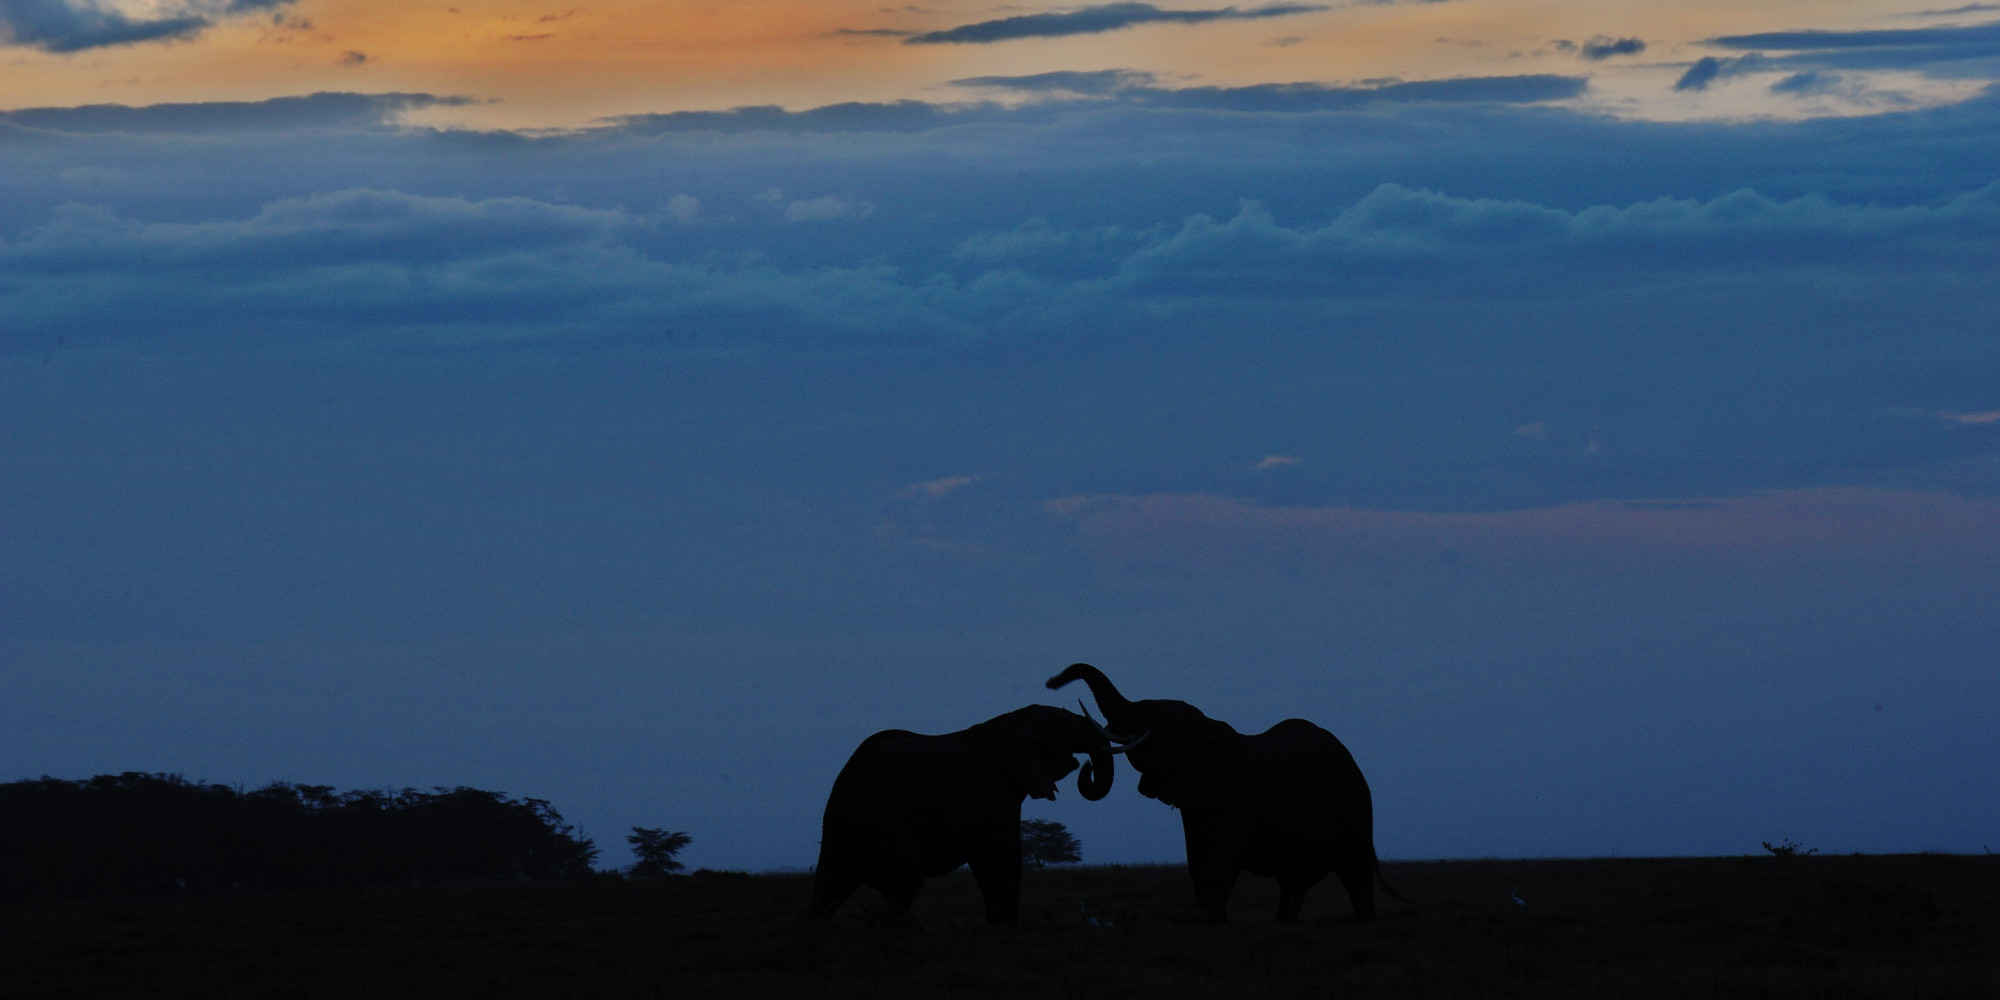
[
  {"x": 900, "y": 890},
  {"x": 831, "y": 887},
  {"x": 1292, "y": 896},
  {"x": 1359, "y": 879}
]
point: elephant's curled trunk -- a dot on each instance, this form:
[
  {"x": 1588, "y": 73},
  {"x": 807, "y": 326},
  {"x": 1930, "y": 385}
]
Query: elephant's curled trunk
[
  {"x": 1094, "y": 781},
  {"x": 1109, "y": 701}
]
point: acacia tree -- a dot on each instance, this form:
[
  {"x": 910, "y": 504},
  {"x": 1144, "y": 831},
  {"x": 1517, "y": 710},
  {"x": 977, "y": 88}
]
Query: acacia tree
[
  {"x": 656, "y": 850},
  {"x": 1047, "y": 842}
]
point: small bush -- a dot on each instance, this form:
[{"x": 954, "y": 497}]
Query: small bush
[
  {"x": 1046, "y": 842},
  {"x": 655, "y": 850},
  {"x": 1788, "y": 849}
]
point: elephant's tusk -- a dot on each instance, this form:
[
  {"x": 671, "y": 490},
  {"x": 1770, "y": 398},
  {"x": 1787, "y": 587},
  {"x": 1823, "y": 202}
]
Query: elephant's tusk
[
  {"x": 1086, "y": 714},
  {"x": 1108, "y": 734},
  {"x": 1130, "y": 745}
]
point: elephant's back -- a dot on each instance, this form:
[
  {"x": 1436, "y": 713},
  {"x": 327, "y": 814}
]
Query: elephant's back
[
  {"x": 897, "y": 770},
  {"x": 1303, "y": 738},
  {"x": 1325, "y": 782}
]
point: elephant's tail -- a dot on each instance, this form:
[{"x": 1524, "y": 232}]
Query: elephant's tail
[{"x": 1386, "y": 887}]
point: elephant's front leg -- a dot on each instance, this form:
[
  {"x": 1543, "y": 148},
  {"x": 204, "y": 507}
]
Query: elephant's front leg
[
  {"x": 996, "y": 866},
  {"x": 1213, "y": 863}
]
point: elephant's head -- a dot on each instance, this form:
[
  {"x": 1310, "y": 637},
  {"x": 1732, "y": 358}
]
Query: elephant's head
[
  {"x": 1043, "y": 751},
  {"x": 1184, "y": 758}
]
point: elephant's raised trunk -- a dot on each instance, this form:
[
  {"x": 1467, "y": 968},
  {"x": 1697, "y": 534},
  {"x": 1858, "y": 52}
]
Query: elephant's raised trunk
[
  {"x": 1094, "y": 781},
  {"x": 1109, "y": 701}
]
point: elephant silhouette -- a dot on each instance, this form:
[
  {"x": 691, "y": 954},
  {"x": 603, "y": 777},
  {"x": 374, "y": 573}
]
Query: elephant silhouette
[
  {"x": 1288, "y": 803},
  {"x": 908, "y": 807}
]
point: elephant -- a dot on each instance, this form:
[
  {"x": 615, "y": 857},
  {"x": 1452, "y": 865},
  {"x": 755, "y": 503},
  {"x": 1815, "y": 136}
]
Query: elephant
[
  {"x": 908, "y": 807},
  {"x": 1288, "y": 803}
]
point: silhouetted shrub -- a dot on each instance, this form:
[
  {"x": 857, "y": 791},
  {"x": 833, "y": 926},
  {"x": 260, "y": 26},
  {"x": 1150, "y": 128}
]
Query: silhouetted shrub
[
  {"x": 1788, "y": 849},
  {"x": 137, "y": 833},
  {"x": 1046, "y": 842},
  {"x": 655, "y": 850}
]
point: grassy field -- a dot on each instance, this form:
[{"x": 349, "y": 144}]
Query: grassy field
[{"x": 1875, "y": 926}]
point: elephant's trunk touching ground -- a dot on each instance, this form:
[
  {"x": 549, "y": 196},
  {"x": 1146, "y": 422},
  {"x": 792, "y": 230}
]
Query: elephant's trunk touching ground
[{"x": 1109, "y": 701}]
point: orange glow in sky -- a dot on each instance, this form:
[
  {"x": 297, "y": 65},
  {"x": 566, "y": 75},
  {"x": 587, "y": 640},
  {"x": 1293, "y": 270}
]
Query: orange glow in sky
[{"x": 556, "y": 64}]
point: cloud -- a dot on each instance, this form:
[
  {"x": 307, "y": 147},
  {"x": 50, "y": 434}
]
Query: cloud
[
  {"x": 932, "y": 489},
  {"x": 828, "y": 208},
  {"x": 1094, "y": 82},
  {"x": 77, "y": 25},
  {"x": 1220, "y": 541},
  {"x": 1396, "y": 238},
  {"x": 1135, "y": 87},
  {"x": 684, "y": 208},
  {"x": 1601, "y": 47},
  {"x": 896, "y": 116},
  {"x": 1808, "y": 82},
  {"x": 419, "y": 272},
  {"x": 1089, "y": 89},
  {"x": 1101, "y": 18},
  {"x": 1709, "y": 69},
  {"x": 1030, "y": 238},
  {"x": 279, "y": 114},
  {"x": 1104, "y": 221},
  {"x": 1971, "y": 8},
  {"x": 1982, "y": 417},
  {"x": 1698, "y": 76},
  {"x": 1307, "y": 97},
  {"x": 1269, "y": 462},
  {"x": 1973, "y": 49}
]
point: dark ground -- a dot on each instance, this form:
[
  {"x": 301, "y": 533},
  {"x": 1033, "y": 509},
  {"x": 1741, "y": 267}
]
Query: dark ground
[{"x": 1875, "y": 926}]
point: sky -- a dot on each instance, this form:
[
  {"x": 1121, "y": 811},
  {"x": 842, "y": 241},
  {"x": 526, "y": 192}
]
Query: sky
[{"x": 1589, "y": 411}]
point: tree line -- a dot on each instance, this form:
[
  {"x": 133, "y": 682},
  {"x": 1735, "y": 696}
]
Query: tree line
[{"x": 137, "y": 833}]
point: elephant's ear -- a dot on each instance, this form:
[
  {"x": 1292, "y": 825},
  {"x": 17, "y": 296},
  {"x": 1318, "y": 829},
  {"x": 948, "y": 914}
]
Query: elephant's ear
[{"x": 1028, "y": 768}]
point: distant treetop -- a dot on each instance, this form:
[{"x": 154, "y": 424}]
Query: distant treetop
[
  {"x": 139, "y": 833},
  {"x": 1046, "y": 842}
]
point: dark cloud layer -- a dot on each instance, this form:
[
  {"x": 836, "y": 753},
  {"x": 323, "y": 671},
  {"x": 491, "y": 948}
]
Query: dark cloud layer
[
  {"x": 1300, "y": 97},
  {"x": 76, "y": 25},
  {"x": 1944, "y": 50},
  {"x": 1601, "y": 47},
  {"x": 853, "y": 116},
  {"x": 1133, "y": 87},
  {"x": 1076, "y": 91},
  {"x": 1095, "y": 82},
  {"x": 1101, "y": 18},
  {"x": 283, "y": 114},
  {"x": 1705, "y": 71}
]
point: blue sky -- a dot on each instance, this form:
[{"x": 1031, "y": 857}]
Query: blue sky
[{"x": 1613, "y": 483}]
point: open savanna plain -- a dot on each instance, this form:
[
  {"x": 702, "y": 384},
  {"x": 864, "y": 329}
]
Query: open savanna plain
[{"x": 1854, "y": 926}]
